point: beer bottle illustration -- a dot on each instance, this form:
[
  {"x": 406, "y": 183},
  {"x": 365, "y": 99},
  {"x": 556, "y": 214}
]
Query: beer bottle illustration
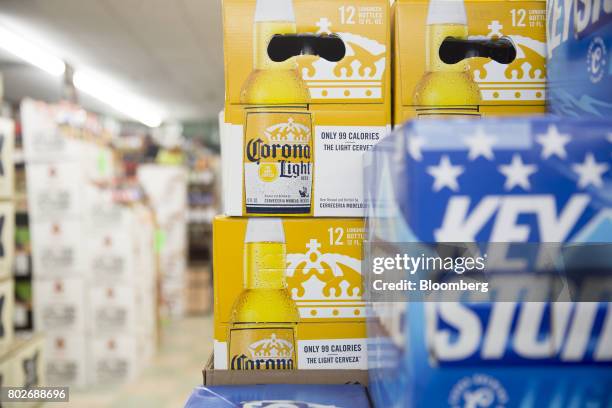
[
  {"x": 278, "y": 150},
  {"x": 263, "y": 325},
  {"x": 448, "y": 87}
]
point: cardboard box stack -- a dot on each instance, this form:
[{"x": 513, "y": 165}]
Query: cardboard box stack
[
  {"x": 94, "y": 266},
  {"x": 166, "y": 190},
  {"x": 20, "y": 357},
  {"x": 292, "y": 152}
]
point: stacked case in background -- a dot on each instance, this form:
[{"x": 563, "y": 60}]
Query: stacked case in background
[
  {"x": 21, "y": 357},
  {"x": 94, "y": 290},
  {"x": 292, "y": 149},
  {"x": 165, "y": 188}
]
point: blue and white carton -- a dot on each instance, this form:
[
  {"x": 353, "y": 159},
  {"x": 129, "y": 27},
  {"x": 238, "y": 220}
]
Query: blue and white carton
[
  {"x": 279, "y": 396},
  {"x": 580, "y": 57},
  {"x": 506, "y": 180}
]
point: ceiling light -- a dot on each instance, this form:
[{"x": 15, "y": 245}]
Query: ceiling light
[
  {"x": 128, "y": 105},
  {"x": 31, "y": 53}
]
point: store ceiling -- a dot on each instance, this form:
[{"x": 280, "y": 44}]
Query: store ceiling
[{"x": 169, "y": 52}]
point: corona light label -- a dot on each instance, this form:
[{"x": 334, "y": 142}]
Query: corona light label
[
  {"x": 307, "y": 94},
  {"x": 469, "y": 58},
  {"x": 278, "y": 162},
  {"x": 289, "y": 296}
]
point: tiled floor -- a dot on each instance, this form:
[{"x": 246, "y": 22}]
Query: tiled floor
[{"x": 167, "y": 383}]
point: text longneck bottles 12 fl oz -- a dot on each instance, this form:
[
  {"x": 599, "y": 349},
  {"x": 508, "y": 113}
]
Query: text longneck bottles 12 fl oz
[
  {"x": 446, "y": 89},
  {"x": 278, "y": 149},
  {"x": 263, "y": 325}
]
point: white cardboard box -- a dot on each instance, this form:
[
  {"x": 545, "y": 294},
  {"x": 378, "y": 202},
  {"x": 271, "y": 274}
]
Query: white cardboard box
[
  {"x": 59, "y": 305},
  {"x": 112, "y": 309},
  {"x": 66, "y": 359},
  {"x": 57, "y": 249},
  {"x": 112, "y": 359},
  {"x": 55, "y": 190},
  {"x": 97, "y": 162},
  {"x": 110, "y": 257},
  {"x": 7, "y": 166},
  {"x": 166, "y": 188},
  {"x": 43, "y": 140}
]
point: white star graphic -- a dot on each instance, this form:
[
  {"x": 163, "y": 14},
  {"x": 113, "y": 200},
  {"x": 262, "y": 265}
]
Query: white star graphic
[
  {"x": 590, "y": 172},
  {"x": 480, "y": 144},
  {"x": 553, "y": 143},
  {"x": 495, "y": 28},
  {"x": 415, "y": 144},
  {"x": 324, "y": 26},
  {"x": 445, "y": 174},
  {"x": 610, "y": 137},
  {"x": 517, "y": 173}
]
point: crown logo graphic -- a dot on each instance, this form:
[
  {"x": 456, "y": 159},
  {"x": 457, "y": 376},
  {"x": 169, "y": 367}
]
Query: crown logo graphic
[
  {"x": 522, "y": 80},
  {"x": 359, "y": 75},
  {"x": 271, "y": 348},
  {"x": 290, "y": 132},
  {"x": 325, "y": 285}
]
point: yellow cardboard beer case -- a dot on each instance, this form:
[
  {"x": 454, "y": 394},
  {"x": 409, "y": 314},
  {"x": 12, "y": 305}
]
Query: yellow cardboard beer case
[
  {"x": 307, "y": 94},
  {"x": 468, "y": 58},
  {"x": 288, "y": 294}
]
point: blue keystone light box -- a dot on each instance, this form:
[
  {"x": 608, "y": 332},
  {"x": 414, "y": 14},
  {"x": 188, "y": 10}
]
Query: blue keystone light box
[
  {"x": 512, "y": 180},
  {"x": 580, "y": 57},
  {"x": 279, "y": 396}
]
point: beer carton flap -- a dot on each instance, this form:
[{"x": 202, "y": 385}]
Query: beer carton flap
[
  {"x": 522, "y": 82},
  {"x": 362, "y": 76},
  {"x": 323, "y": 271}
]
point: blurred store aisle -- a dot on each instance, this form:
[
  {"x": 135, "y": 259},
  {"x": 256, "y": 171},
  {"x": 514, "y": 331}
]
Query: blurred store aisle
[{"x": 169, "y": 380}]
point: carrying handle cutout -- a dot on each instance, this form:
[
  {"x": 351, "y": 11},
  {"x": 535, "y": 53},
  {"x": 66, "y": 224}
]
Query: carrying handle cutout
[
  {"x": 327, "y": 46},
  {"x": 454, "y": 50}
]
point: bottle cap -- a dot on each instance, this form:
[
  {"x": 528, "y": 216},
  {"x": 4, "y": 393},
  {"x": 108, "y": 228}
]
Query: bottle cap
[
  {"x": 446, "y": 12},
  {"x": 274, "y": 10},
  {"x": 265, "y": 230}
]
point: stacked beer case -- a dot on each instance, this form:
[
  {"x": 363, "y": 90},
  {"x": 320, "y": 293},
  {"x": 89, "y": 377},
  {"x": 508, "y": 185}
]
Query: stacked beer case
[
  {"x": 292, "y": 152},
  {"x": 521, "y": 180},
  {"x": 93, "y": 262},
  {"x": 20, "y": 356}
]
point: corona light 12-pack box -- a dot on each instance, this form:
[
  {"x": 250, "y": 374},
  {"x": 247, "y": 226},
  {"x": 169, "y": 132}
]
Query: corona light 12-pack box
[
  {"x": 307, "y": 94},
  {"x": 580, "y": 57},
  {"x": 288, "y": 294},
  {"x": 468, "y": 58},
  {"x": 520, "y": 181}
]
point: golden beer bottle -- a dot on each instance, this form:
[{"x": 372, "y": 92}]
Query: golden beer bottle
[
  {"x": 263, "y": 325},
  {"x": 278, "y": 151},
  {"x": 446, "y": 89}
]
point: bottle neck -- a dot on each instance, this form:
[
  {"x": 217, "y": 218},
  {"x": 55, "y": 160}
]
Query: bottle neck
[
  {"x": 264, "y": 265},
  {"x": 263, "y": 32},
  {"x": 435, "y": 35}
]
